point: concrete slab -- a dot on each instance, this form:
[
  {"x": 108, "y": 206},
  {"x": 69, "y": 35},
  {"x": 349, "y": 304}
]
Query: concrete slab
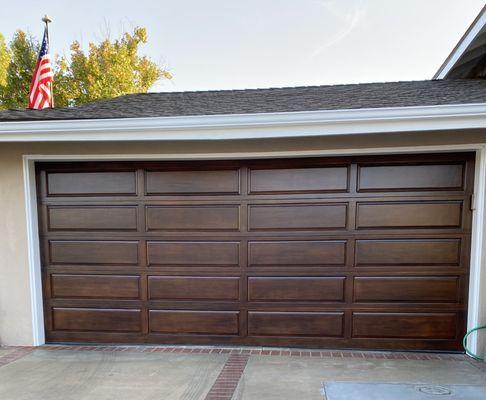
[
  {"x": 77, "y": 375},
  {"x": 289, "y": 378},
  {"x": 397, "y": 391},
  {"x": 121, "y": 375}
]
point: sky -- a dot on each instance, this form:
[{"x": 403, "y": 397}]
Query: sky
[{"x": 236, "y": 44}]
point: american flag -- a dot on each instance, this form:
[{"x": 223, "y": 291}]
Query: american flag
[{"x": 40, "y": 93}]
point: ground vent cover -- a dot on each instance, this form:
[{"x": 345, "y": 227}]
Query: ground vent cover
[{"x": 401, "y": 391}]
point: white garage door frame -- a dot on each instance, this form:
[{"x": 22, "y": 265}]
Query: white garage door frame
[{"x": 477, "y": 282}]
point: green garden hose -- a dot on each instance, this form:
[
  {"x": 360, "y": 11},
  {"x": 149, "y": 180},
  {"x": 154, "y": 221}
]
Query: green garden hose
[{"x": 464, "y": 343}]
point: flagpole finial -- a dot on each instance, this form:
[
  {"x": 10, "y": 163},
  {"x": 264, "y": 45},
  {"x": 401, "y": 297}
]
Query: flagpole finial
[{"x": 46, "y": 19}]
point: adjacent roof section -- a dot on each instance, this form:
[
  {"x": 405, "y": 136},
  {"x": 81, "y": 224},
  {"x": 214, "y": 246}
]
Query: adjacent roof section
[
  {"x": 468, "y": 58},
  {"x": 255, "y": 101}
]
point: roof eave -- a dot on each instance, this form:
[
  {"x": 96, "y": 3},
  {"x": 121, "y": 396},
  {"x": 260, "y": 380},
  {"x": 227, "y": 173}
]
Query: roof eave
[
  {"x": 462, "y": 46},
  {"x": 251, "y": 126}
]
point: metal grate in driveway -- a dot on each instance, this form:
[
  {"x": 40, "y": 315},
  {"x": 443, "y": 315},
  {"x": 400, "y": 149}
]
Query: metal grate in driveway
[{"x": 401, "y": 391}]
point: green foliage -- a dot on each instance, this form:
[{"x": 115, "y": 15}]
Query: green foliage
[
  {"x": 109, "y": 69},
  {"x": 18, "y": 74},
  {"x": 4, "y": 61}
]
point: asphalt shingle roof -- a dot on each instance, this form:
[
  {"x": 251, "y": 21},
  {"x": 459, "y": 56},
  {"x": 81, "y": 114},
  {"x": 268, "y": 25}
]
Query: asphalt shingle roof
[{"x": 353, "y": 96}]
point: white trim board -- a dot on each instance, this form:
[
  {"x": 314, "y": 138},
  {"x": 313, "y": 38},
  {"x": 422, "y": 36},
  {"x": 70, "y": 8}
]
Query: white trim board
[
  {"x": 477, "y": 282},
  {"x": 462, "y": 46},
  {"x": 251, "y": 126},
  {"x": 33, "y": 252},
  {"x": 477, "y": 275}
]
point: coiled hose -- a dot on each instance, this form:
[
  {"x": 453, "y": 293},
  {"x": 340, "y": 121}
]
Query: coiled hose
[{"x": 464, "y": 343}]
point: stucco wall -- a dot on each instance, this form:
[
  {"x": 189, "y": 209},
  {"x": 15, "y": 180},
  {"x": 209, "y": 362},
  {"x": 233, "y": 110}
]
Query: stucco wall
[{"x": 15, "y": 309}]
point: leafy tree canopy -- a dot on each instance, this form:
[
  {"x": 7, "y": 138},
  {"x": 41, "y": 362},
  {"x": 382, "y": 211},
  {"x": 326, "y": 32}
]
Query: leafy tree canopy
[
  {"x": 4, "y": 60},
  {"x": 108, "y": 69}
]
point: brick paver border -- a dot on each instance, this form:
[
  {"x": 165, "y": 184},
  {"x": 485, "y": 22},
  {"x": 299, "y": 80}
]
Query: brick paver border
[
  {"x": 16, "y": 354},
  {"x": 264, "y": 351},
  {"x": 225, "y": 384}
]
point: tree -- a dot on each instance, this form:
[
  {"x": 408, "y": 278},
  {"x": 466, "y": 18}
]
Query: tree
[
  {"x": 109, "y": 69},
  {"x": 4, "y": 61},
  {"x": 18, "y": 74}
]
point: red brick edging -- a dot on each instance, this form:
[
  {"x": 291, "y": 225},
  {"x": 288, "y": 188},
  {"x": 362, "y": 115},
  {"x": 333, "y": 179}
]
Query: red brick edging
[
  {"x": 19, "y": 352},
  {"x": 389, "y": 355},
  {"x": 16, "y": 354},
  {"x": 229, "y": 377}
]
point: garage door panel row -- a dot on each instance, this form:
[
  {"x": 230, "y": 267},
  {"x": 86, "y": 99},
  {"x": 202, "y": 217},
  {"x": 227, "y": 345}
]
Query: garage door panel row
[
  {"x": 372, "y": 325},
  {"x": 391, "y": 253},
  {"x": 447, "y": 176},
  {"x": 261, "y": 217},
  {"x": 289, "y": 289}
]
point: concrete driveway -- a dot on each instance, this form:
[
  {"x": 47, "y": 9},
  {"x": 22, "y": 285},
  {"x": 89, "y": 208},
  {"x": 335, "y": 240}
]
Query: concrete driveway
[{"x": 153, "y": 373}]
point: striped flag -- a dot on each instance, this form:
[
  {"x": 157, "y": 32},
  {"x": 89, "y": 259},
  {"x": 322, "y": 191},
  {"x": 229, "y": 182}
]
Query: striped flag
[{"x": 40, "y": 93}]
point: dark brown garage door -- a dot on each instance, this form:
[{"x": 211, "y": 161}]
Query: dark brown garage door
[{"x": 339, "y": 252}]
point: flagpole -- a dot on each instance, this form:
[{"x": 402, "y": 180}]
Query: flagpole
[{"x": 46, "y": 19}]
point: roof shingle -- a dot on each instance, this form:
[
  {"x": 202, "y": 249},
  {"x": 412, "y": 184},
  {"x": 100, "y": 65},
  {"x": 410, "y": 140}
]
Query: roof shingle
[{"x": 310, "y": 98}]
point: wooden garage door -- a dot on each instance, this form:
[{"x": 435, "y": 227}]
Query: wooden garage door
[{"x": 339, "y": 252}]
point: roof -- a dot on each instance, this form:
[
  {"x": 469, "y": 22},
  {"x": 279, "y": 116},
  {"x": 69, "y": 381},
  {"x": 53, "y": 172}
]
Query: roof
[
  {"x": 311, "y": 98},
  {"x": 468, "y": 58}
]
